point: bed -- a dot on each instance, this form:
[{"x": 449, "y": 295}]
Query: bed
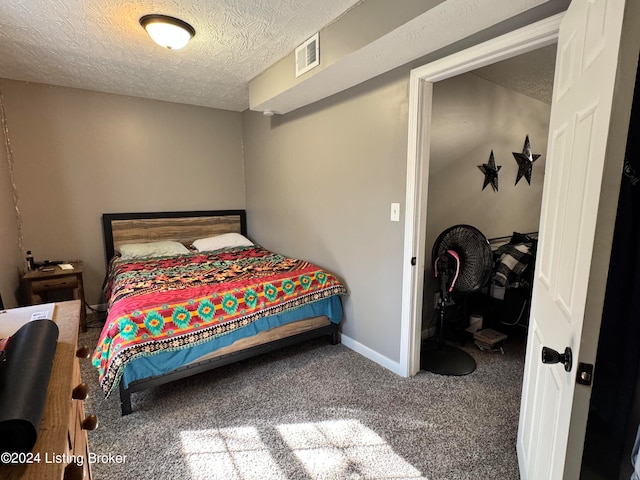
[{"x": 174, "y": 312}]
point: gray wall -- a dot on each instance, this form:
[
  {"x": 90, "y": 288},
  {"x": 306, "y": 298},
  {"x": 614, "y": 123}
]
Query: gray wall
[
  {"x": 79, "y": 154},
  {"x": 10, "y": 255},
  {"x": 319, "y": 185},
  {"x": 470, "y": 117}
]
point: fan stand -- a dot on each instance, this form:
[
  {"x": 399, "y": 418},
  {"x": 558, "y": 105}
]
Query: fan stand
[{"x": 442, "y": 358}]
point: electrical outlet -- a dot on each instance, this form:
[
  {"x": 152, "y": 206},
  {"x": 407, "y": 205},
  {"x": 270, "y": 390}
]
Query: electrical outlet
[{"x": 395, "y": 212}]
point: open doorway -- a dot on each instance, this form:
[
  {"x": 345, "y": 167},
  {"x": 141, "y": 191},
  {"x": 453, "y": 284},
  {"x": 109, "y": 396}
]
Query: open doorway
[
  {"x": 491, "y": 111},
  {"x": 533, "y": 37}
]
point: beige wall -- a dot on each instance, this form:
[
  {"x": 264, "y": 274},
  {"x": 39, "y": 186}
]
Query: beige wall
[
  {"x": 10, "y": 256},
  {"x": 79, "y": 154},
  {"x": 320, "y": 182},
  {"x": 470, "y": 117}
]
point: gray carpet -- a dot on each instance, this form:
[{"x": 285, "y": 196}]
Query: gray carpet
[{"x": 314, "y": 411}]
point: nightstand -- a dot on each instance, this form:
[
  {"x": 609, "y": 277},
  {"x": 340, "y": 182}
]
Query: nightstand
[{"x": 41, "y": 282}]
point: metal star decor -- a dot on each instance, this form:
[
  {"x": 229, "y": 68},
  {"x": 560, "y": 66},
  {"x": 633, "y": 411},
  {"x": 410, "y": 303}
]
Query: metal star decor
[
  {"x": 490, "y": 173},
  {"x": 525, "y": 161}
]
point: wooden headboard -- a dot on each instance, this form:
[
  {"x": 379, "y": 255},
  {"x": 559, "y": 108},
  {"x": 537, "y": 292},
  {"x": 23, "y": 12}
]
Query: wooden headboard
[{"x": 184, "y": 227}]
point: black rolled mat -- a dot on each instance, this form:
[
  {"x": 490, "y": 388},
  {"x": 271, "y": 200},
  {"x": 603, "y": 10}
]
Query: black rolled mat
[{"x": 25, "y": 368}]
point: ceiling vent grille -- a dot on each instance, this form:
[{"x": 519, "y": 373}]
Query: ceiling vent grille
[{"x": 308, "y": 55}]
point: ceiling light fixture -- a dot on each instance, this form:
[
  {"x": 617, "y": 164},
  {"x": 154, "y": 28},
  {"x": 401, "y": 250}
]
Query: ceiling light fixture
[{"x": 168, "y": 32}]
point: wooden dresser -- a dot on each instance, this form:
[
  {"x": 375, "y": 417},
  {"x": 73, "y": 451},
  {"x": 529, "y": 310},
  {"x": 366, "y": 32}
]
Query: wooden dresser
[{"x": 62, "y": 442}]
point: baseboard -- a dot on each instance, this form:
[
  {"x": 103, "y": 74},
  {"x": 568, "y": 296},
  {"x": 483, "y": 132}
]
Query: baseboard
[
  {"x": 100, "y": 307},
  {"x": 371, "y": 354}
]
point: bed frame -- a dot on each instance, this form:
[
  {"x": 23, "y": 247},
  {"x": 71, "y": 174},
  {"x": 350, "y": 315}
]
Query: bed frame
[{"x": 185, "y": 227}]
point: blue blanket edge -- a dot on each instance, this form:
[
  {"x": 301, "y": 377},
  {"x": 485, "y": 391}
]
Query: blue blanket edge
[{"x": 162, "y": 363}]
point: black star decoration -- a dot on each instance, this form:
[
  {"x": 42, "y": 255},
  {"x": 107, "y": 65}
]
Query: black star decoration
[
  {"x": 490, "y": 173},
  {"x": 525, "y": 161}
]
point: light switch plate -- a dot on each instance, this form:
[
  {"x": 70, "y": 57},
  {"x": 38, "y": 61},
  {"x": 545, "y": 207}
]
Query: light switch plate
[{"x": 395, "y": 212}]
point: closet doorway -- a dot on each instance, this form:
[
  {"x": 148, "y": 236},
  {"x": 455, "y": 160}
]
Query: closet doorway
[
  {"x": 533, "y": 37},
  {"x": 493, "y": 110}
]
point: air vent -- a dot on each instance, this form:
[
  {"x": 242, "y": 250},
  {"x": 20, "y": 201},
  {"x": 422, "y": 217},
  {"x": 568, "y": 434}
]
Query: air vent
[{"x": 307, "y": 55}]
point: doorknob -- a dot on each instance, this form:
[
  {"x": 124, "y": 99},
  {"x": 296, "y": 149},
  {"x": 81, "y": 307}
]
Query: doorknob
[{"x": 550, "y": 356}]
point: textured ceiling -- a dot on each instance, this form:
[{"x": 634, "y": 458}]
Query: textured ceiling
[
  {"x": 99, "y": 45},
  {"x": 530, "y": 74}
]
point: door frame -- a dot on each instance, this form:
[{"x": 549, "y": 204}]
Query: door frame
[{"x": 523, "y": 40}]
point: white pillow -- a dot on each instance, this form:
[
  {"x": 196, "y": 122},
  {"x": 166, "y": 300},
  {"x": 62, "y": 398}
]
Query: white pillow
[
  {"x": 131, "y": 251},
  {"x": 221, "y": 241}
]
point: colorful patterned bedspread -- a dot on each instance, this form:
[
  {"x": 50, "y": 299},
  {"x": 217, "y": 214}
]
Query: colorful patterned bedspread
[{"x": 173, "y": 303}]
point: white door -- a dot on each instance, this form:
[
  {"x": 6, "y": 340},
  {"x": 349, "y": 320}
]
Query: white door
[{"x": 587, "y": 134}]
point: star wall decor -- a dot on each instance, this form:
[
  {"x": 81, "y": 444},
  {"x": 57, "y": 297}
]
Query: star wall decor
[
  {"x": 490, "y": 173},
  {"x": 525, "y": 161}
]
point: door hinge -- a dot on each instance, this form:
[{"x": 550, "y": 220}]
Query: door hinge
[
  {"x": 584, "y": 375},
  {"x": 413, "y": 261}
]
